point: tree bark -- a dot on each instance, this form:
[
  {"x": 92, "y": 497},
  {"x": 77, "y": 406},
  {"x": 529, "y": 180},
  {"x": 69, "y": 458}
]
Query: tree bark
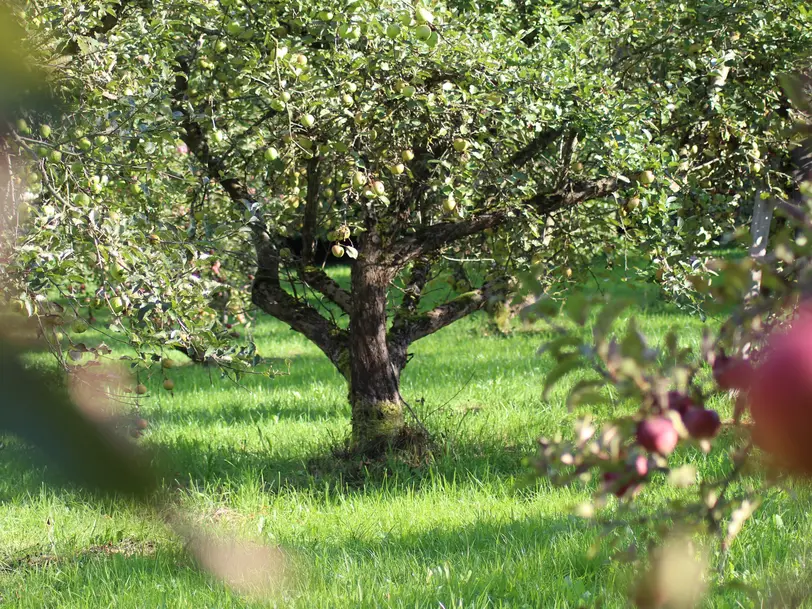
[
  {"x": 377, "y": 408},
  {"x": 760, "y": 234}
]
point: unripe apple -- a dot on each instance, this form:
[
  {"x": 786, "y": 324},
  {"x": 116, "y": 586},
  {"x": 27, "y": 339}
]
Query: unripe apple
[
  {"x": 347, "y": 99},
  {"x": 22, "y": 127},
  {"x": 657, "y": 435},
  {"x": 85, "y": 144},
  {"x": 326, "y": 15},
  {"x": 234, "y": 28},
  {"x": 45, "y": 131},
  {"x": 393, "y": 30},
  {"x": 460, "y": 145},
  {"x": 359, "y": 179},
  {"x": 701, "y": 423},
  {"x": 338, "y": 250},
  {"x": 397, "y": 169},
  {"x": 168, "y": 384},
  {"x": 423, "y": 32},
  {"x": 433, "y": 40},
  {"x": 117, "y": 304},
  {"x": 450, "y": 203},
  {"x": 646, "y": 177},
  {"x": 300, "y": 59},
  {"x": 79, "y": 326},
  {"x": 405, "y": 18},
  {"x": 221, "y": 46},
  {"x": 140, "y": 389},
  {"x": 167, "y": 362},
  {"x": 278, "y": 105},
  {"x": 633, "y": 203},
  {"x": 271, "y": 154},
  {"x": 423, "y": 15},
  {"x": 378, "y": 187},
  {"x": 308, "y": 120},
  {"x": 408, "y": 91},
  {"x": 407, "y": 155}
]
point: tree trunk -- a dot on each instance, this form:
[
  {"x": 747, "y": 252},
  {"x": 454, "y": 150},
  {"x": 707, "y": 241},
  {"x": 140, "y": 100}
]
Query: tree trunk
[
  {"x": 760, "y": 234},
  {"x": 377, "y": 408}
]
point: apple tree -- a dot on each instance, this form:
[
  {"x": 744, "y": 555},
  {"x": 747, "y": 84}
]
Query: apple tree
[{"x": 201, "y": 137}]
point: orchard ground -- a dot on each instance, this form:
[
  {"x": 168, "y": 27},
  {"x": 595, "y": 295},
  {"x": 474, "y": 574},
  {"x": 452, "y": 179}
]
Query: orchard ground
[{"x": 468, "y": 529}]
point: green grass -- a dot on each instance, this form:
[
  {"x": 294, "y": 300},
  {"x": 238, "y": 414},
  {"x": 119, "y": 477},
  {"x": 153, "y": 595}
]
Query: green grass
[{"x": 463, "y": 531}]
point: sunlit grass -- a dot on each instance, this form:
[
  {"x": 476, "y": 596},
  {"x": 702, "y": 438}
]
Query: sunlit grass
[{"x": 463, "y": 531}]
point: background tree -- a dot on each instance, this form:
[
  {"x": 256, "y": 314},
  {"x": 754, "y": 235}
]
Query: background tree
[{"x": 204, "y": 135}]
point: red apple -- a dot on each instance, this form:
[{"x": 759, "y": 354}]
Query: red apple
[
  {"x": 701, "y": 423},
  {"x": 732, "y": 372},
  {"x": 781, "y": 397},
  {"x": 679, "y": 402},
  {"x": 635, "y": 472},
  {"x": 657, "y": 435}
]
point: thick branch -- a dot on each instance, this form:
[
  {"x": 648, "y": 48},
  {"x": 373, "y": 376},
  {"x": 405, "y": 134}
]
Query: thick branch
[
  {"x": 320, "y": 281},
  {"x": 573, "y": 193},
  {"x": 311, "y": 211},
  {"x": 409, "y": 329},
  {"x": 536, "y": 145},
  {"x": 436, "y": 236},
  {"x": 268, "y": 293}
]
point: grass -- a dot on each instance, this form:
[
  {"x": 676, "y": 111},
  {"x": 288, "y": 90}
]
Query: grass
[{"x": 467, "y": 530}]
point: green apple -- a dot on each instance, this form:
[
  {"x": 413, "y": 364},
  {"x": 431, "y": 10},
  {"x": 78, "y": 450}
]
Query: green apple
[
  {"x": 408, "y": 91},
  {"x": 85, "y": 144},
  {"x": 271, "y": 154},
  {"x": 450, "y": 203},
  {"x": 338, "y": 250},
  {"x": 347, "y": 99},
  {"x": 234, "y": 28},
  {"x": 405, "y": 18},
  {"x": 278, "y": 105},
  {"x": 221, "y": 46},
  {"x": 407, "y": 155},
  {"x": 22, "y": 127},
  {"x": 379, "y": 188},
  {"x": 117, "y": 304},
  {"x": 633, "y": 203},
  {"x": 308, "y": 120},
  {"x": 359, "y": 178},
  {"x": 423, "y": 32},
  {"x": 433, "y": 40},
  {"x": 397, "y": 169},
  {"x": 300, "y": 59},
  {"x": 79, "y": 326},
  {"x": 45, "y": 131},
  {"x": 647, "y": 177},
  {"x": 325, "y": 15},
  {"x": 393, "y": 30},
  {"x": 81, "y": 199},
  {"x": 460, "y": 145},
  {"x": 285, "y": 96}
]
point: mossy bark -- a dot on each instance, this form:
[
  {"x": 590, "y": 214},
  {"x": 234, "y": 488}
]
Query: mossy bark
[{"x": 377, "y": 408}]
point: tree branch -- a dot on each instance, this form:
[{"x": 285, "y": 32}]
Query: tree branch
[
  {"x": 410, "y": 329},
  {"x": 436, "y": 236},
  {"x": 108, "y": 22},
  {"x": 311, "y": 211},
  {"x": 320, "y": 281},
  {"x": 536, "y": 145},
  {"x": 267, "y": 293}
]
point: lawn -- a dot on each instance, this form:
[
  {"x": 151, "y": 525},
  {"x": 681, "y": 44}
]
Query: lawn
[{"x": 466, "y": 530}]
